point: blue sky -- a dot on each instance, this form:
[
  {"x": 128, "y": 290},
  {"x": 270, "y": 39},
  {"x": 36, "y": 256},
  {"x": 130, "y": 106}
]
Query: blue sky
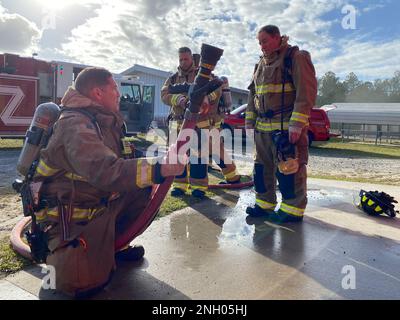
[{"x": 117, "y": 34}]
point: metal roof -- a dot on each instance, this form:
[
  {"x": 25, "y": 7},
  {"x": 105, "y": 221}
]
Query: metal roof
[
  {"x": 365, "y": 113},
  {"x": 139, "y": 68}
]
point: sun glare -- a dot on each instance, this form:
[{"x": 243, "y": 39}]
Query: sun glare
[{"x": 56, "y": 4}]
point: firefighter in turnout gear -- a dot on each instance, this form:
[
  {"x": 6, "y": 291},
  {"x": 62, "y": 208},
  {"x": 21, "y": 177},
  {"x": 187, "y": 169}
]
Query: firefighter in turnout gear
[
  {"x": 93, "y": 187},
  {"x": 195, "y": 174},
  {"x": 282, "y": 94}
]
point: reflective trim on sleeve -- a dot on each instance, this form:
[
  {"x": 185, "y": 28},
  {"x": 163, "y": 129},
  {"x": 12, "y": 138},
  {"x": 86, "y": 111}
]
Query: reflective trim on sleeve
[
  {"x": 45, "y": 170},
  {"x": 175, "y": 99},
  {"x": 250, "y": 115},
  {"x": 300, "y": 117},
  {"x": 144, "y": 174}
]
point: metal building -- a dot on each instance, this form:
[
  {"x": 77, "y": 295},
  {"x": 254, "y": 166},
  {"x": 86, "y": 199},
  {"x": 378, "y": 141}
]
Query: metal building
[
  {"x": 157, "y": 78},
  {"x": 239, "y": 97},
  {"x": 365, "y": 119},
  {"x": 365, "y": 113},
  {"x": 154, "y": 77}
]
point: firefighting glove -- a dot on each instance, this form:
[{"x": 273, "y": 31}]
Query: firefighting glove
[{"x": 294, "y": 134}]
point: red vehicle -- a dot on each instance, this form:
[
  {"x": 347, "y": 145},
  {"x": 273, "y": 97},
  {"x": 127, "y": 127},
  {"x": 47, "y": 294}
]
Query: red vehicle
[
  {"x": 317, "y": 131},
  {"x": 26, "y": 82}
]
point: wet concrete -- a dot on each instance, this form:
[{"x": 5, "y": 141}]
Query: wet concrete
[{"x": 214, "y": 251}]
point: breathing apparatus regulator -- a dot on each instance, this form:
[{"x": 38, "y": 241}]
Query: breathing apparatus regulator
[{"x": 376, "y": 203}]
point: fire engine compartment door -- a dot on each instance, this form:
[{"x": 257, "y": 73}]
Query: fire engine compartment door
[
  {"x": 130, "y": 105},
  {"x": 147, "y": 114},
  {"x": 18, "y": 100}
]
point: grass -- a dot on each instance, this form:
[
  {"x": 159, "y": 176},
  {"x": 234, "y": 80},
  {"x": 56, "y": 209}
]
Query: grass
[
  {"x": 352, "y": 149},
  {"x": 10, "y": 261},
  {"x": 10, "y": 144},
  {"x": 345, "y": 178},
  {"x": 171, "y": 204}
]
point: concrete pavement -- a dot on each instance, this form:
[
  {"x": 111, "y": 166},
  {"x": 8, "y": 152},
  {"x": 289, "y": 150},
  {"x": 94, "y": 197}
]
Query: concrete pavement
[{"x": 214, "y": 251}]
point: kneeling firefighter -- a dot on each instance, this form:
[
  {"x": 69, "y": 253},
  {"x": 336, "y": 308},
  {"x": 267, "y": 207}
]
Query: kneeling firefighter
[
  {"x": 282, "y": 93},
  {"x": 86, "y": 186}
]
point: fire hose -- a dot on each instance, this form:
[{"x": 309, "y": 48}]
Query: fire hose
[{"x": 201, "y": 87}]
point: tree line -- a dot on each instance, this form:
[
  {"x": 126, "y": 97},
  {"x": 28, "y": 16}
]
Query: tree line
[{"x": 331, "y": 89}]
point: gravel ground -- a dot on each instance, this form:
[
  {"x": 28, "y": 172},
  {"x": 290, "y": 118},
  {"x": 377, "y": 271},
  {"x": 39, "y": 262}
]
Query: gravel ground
[{"x": 385, "y": 171}]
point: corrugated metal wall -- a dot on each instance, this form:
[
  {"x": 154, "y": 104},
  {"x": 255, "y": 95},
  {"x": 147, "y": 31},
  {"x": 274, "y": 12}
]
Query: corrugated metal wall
[
  {"x": 161, "y": 110},
  {"x": 238, "y": 99}
]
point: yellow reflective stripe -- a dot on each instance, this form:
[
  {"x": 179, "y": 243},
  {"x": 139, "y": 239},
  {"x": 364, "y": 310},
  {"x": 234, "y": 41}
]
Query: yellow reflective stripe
[
  {"x": 207, "y": 66},
  {"x": 230, "y": 175},
  {"x": 292, "y": 210},
  {"x": 264, "y": 204},
  {"x": 370, "y": 202},
  {"x": 180, "y": 185},
  {"x": 75, "y": 177},
  {"x": 205, "y": 75},
  {"x": 203, "y": 124},
  {"x": 364, "y": 198},
  {"x": 126, "y": 147},
  {"x": 250, "y": 115},
  {"x": 78, "y": 214},
  {"x": 174, "y": 99},
  {"x": 45, "y": 170},
  {"x": 300, "y": 117},
  {"x": 378, "y": 208},
  {"x": 199, "y": 187},
  {"x": 143, "y": 174},
  {"x": 41, "y": 215},
  {"x": 271, "y": 126},
  {"x": 274, "y": 88},
  {"x": 212, "y": 96}
]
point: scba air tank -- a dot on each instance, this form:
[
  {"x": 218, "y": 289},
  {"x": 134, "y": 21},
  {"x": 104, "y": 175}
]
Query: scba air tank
[{"x": 37, "y": 135}]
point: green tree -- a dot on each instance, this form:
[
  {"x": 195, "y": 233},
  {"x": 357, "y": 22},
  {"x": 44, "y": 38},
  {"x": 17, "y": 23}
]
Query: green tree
[
  {"x": 330, "y": 89},
  {"x": 351, "y": 83},
  {"x": 394, "y": 95}
]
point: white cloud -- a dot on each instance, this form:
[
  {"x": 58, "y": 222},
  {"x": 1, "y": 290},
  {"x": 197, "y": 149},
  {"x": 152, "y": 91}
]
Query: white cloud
[
  {"x": 373, "y": 7},
  {"x": 149, "y": 32},
  {"x": 17, "y": 33},
  {"x": 121, "y": 33},
  {"x": 371, "y": 59}
]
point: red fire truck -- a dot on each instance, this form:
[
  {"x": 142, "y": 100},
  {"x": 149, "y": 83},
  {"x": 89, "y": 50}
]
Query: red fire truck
[{"x": 27, "y": 82}]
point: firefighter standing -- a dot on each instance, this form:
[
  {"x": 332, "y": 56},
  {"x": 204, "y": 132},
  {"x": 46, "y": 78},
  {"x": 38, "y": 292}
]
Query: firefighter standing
[
  {"x": 92, "y": 187},
  {"x": 282, "y": 94},
  {"x": 198, "y": 176}
]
